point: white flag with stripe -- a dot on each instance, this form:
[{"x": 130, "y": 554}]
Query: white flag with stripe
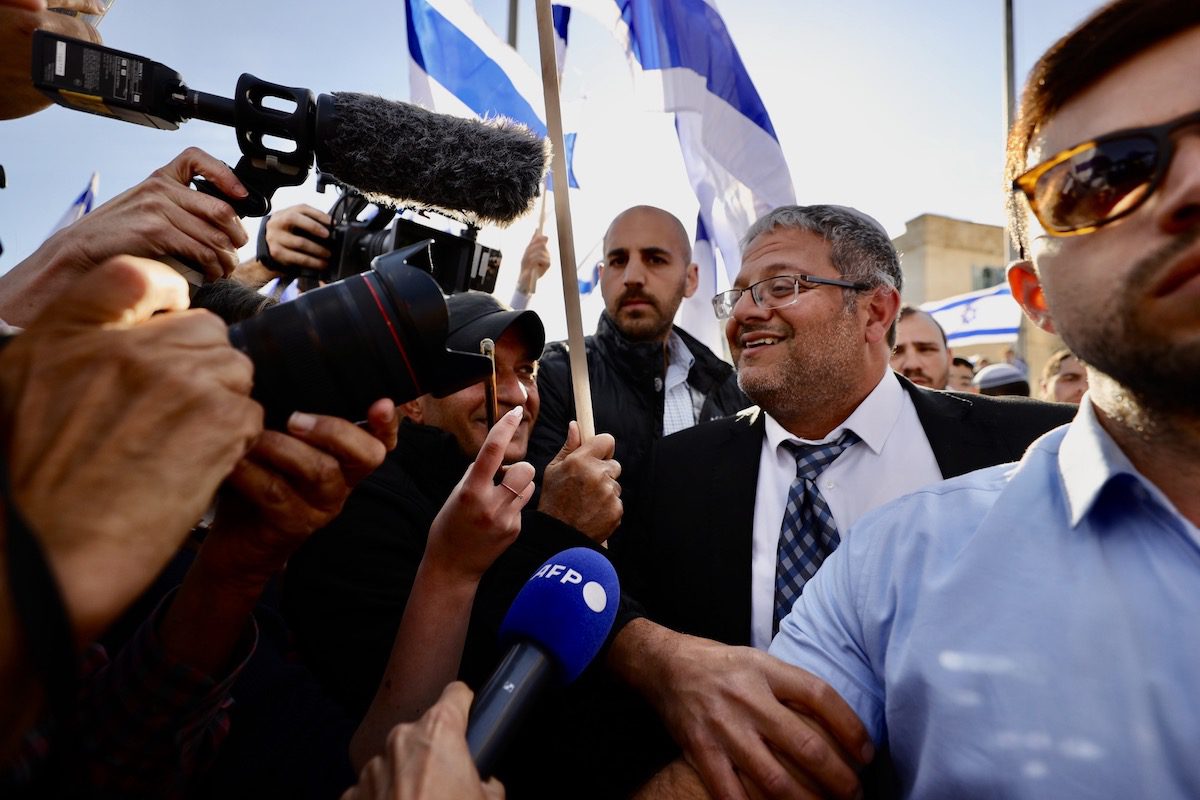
[{"x": 984, "y": 317}]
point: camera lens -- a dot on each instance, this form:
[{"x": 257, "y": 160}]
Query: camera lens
[{"x": 337, "y": 349}]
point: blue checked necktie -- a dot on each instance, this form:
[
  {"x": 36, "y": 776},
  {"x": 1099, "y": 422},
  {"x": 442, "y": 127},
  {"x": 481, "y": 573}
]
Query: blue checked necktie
[{"x": 808, "y": 534}]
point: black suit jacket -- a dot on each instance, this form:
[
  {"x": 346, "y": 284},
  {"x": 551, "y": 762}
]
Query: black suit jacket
[{"x": 685, "y": 550}]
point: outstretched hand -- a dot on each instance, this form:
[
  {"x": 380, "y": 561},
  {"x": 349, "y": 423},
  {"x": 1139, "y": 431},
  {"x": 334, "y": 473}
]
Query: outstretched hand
[
  {"x": 290, "y": 485},
  {"x": 535, "y": 261},
  {"x": 428, "y": 759},
  {"x": 161, "y": 218},
  {"x": 748, "y": 723},
  {"x": 482, "y": 518},
  {"x": 289, "y": 247},
  {"x": 120, "y": 423}
]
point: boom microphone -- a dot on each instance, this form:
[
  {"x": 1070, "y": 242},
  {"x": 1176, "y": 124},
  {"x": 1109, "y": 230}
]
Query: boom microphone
[
  {"x": 394, "y": 153},
  {"x": 556, "y": 625},
  {"x": 397, "y": 154}
]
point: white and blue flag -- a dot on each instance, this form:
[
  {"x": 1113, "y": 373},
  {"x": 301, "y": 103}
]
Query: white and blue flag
[
  {"x": 983, "y": 317},
  {"x": 687, "y": 62},
  {"x": 458, "y": 65},
  {"x": 562, "y": 21},
  {"x": 82, "y": 204}
]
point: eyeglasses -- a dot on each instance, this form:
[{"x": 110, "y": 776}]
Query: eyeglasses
[
  {"x": 1099, "y": 181},
  {"x": 778, "y": 292}
]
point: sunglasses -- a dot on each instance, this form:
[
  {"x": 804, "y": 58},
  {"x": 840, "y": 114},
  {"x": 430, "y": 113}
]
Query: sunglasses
[{"x": 1099, "y": 181}]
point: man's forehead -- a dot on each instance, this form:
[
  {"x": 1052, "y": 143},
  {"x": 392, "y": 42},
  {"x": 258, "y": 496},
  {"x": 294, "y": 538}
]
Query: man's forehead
[
  {"x": 1154, "y": 86},
  {"x": 782, "y": 251},
  {"x": 517, "y": 344},
  {"x": 644, "y": 228},
  {"x": 918, "y": 328}
]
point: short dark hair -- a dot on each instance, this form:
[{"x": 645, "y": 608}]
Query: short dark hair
[
  {"x": 231, "y": 300},
  {"x": 907, "y": 311},
  {"x": 1110, "y": 37},
  {"x": 959, "y": 361}
]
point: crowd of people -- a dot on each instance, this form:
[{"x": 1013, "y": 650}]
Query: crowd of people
[{"x": 852, "y": 562}]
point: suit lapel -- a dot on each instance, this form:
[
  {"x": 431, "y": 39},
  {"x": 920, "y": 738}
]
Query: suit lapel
[
  {"x": 961, "y": 441},
  {"x": 731, "y": 489}
]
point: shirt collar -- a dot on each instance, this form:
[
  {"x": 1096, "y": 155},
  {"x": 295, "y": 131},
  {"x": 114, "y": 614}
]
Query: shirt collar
[
  {"x": 679, "y": 360},
  {"x": 1089, "y": 459},
  {"x": 872, "y": 421}
]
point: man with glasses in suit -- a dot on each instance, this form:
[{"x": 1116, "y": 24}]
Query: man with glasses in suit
[{"x": 737, "y": 514}]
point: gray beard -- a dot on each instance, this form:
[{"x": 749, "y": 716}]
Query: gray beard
[{"x": 812, "y": 382}]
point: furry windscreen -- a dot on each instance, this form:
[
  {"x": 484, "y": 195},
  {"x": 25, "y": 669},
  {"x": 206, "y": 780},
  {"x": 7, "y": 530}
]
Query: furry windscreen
[{"x": 401, "y": 155}]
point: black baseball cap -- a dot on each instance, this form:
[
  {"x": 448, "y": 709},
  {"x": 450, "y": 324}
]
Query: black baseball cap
[{"x": 475, "y": 316}]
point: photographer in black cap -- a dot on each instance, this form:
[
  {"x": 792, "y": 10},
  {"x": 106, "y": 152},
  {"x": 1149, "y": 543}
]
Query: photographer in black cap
[{"x": 347, "y": 588}]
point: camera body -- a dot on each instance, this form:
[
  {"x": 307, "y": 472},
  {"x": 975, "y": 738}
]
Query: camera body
[{"x": 362, "y": 231}]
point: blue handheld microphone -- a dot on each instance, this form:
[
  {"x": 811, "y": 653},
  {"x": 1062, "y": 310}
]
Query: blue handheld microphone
[{"x": 555, "y": 627}]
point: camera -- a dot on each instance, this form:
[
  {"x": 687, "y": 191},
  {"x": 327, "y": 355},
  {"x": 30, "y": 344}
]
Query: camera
[
  {"x": 336, "y": 349},
  {"x": 363, "y": 230}
]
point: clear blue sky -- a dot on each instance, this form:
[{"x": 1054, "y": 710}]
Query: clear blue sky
[{"x": 891, "y": 107}]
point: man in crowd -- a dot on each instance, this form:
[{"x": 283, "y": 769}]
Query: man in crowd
[
  {"x": 649, "y": 378},
  {"x": 1053, "y": 603},
  {"x": 1001, "y": 380},
  {"x": 743, "y": 511},
  {"x": 1064, "y": 378},
  {"x": 962, "y": 373},
  {"x": 921, "y": 353},
  {"x": 346, "y": 590}
]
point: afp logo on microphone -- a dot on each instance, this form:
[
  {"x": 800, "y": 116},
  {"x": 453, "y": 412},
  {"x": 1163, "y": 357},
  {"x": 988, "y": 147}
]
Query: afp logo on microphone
[
  {"x": 594, "y": 594},
  {"x": 567, "y": 607}
]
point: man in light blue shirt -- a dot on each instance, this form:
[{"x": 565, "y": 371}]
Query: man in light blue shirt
[
  {"x": 1019, "y": 628},
  {"x": 1031, "y": 630}
]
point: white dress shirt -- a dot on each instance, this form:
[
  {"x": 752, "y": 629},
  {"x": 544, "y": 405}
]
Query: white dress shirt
[
  {"x": 892, "y": 459},
  {"x": 681, "y": 401}
]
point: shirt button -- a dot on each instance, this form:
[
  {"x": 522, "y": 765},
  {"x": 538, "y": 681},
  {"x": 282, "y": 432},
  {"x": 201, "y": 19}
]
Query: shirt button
[
  {"x": 829, "y": 484},
  {"x": 658, "y": 384}
]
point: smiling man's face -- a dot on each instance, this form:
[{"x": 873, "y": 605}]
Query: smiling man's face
[{"x": 790, "y": 357}]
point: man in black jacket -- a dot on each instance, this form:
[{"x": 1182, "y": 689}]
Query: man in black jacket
[
  {"x": 346, "y": 589},
  {"x": 649, "y": 379}
]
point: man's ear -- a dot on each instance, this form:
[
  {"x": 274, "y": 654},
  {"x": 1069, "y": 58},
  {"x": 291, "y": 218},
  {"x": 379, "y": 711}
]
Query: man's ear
[
  {"x": 413, "y": 410},
  {"x": 1027, "y": 291},
  {"x": 692, "y": 282},
  {"x": 881, "y": 307}
]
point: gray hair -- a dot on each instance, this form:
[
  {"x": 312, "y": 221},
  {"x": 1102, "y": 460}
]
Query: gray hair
[{"x": 860, "y": 248}]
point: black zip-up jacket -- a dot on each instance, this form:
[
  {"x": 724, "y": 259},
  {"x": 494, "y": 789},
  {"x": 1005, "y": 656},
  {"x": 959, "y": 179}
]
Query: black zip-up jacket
[{"x": 627, "y": 380}]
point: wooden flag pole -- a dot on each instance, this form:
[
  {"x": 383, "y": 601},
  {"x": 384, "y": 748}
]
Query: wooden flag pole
[{"x": 562, "y": 214}]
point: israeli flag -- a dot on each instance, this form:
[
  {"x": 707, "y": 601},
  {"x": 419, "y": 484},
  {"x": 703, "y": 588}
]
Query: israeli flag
[
  {"x": 685, "y": 57},
  {"x": 588, "y": 277},
  {"x": 562, "y": 21},
  {"x": 459, "y": 66},
  {"x": 984, "y": 317},
  {"x": 82, "y": 205}
]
